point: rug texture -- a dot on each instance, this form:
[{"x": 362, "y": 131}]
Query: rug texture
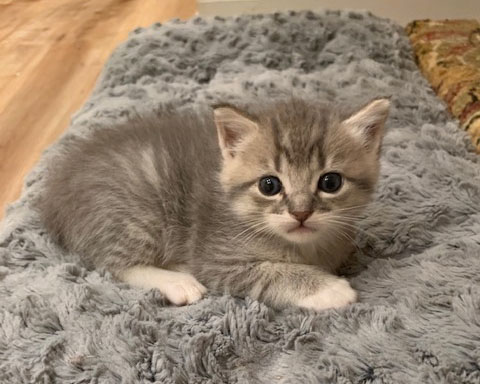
[
  {"x": 417, "y": 269},
  {"x": 448, "y": 53}
]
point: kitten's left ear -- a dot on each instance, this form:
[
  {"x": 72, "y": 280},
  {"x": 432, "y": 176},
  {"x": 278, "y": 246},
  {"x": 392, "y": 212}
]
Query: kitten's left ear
[{"x": 367, "y": 124}]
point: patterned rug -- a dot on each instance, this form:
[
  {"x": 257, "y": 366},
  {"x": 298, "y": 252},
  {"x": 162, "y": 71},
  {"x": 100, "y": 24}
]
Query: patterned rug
[{"x": 448, "y": 53}]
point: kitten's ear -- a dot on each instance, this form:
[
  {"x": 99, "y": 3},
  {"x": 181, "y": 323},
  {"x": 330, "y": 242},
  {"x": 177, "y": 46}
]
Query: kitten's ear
[
  {"x": 367, "y": 124},
  {"x": 233, "y": 127}
]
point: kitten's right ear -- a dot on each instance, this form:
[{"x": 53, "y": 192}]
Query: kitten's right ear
[{"x": 233, "y": 128}]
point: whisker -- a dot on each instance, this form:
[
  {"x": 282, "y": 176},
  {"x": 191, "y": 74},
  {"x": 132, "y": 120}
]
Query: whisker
[
  {"x": 252, "y": 227},
  {"x": 357, "y": 229},
  {"x": 254, "y": 234},
  {"x": 349, "y": 239}
]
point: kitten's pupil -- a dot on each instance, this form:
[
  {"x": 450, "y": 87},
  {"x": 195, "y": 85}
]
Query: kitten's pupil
[
  {"x": 330, "y": 182},
  {"x": 270, "y": 185}
]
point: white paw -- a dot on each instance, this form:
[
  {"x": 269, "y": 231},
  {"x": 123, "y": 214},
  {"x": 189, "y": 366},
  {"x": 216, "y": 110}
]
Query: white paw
[
  {"x": 183, "y": 289},
  {"x": 179, "y": 288},
  {"x": 335, "y": 294}
]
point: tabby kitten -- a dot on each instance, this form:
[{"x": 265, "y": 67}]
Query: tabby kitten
[{"x": 260, "y": 203}]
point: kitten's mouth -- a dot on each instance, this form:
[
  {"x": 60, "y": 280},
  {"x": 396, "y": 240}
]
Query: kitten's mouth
[{"x": 301, "y": 228}]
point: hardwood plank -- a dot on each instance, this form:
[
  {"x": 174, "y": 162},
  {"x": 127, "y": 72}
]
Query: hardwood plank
[{"x": 52, "y": 53}]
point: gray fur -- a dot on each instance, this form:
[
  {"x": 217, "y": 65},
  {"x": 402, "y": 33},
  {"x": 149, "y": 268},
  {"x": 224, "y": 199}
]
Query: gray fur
[{"x": 417, "y": 269}]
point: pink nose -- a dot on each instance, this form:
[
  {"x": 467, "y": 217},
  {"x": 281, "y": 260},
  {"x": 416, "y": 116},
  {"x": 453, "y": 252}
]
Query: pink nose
[{"x": 301, "y": 216}]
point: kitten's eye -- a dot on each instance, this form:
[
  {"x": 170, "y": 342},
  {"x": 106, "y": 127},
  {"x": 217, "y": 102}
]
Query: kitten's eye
[
  {"x": 270, "y": 185},
  {"x": 330, "y": 182}
]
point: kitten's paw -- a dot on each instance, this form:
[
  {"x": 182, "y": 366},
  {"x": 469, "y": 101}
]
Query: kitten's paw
[
  {"x": 180, "y": 288},
  {"x": 335, "y": 294},
  {"x": 185, "y": 289}
]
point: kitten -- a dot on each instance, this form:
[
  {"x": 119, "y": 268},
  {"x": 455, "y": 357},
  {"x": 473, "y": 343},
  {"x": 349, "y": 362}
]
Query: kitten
[{"x": 259, "y": 203}]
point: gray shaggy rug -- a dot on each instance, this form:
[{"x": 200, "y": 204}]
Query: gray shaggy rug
[{"x": 418, "y": 265}]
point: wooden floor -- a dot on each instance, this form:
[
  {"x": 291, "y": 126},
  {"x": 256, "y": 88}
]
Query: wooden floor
[{"x": 51, "y": 52}]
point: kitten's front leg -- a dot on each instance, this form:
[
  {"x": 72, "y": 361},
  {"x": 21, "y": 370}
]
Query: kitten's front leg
[{"x": 283, "y": 284}]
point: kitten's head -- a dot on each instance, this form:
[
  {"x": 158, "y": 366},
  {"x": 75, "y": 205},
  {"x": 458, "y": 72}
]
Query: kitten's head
[{"x": 298, "y": 170}]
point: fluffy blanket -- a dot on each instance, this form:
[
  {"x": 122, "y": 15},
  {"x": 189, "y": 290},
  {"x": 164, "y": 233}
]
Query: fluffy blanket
[{"x": 417, "y": 269}]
